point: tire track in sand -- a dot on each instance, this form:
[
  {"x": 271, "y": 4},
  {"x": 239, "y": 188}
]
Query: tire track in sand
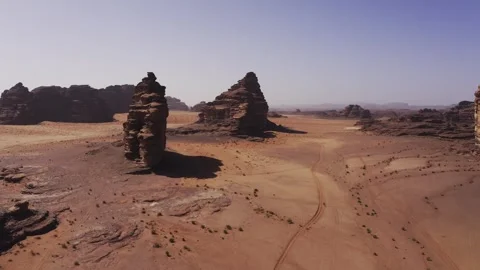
[{"x": 318, "y": 213}]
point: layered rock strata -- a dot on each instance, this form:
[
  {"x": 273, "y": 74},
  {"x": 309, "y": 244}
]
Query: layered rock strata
[{"x": 144, "y": 130}]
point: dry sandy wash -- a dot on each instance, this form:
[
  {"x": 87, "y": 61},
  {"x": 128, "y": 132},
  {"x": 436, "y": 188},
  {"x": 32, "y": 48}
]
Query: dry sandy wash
[{"x": 332, "y": 198}]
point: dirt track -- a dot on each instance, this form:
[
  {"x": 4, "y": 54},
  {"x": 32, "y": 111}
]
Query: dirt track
[{"x": 333, "y": 198}]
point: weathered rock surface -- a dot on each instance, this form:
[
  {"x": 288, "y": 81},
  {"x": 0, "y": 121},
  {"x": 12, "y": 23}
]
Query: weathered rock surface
[
  {"x": 199, "y": 107},
  {"x": 15, "y": 106},
  {"x": 176, "y": 104},
  {"x": 78, "y": 103},
  {"x": 456, "y": 123},
  {"x": 477, "y": 116},
  {"x": 145, "y": 128},
  {"x": 19, "y": 221},
  {"x": 242, "y": 108},
  {"x": 240, "y": 111}
]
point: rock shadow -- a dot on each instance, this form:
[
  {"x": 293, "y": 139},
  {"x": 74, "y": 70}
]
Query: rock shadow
[
  {"x": 176, "y": 165},
  {"x": 271, "y": 126},
  {"x": 283, "y": 129}
]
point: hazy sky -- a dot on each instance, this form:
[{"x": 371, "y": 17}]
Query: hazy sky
[{"x": 304, "y": 52}]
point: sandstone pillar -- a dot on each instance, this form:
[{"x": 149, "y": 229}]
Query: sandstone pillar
[{"x": 144, "y": 131}]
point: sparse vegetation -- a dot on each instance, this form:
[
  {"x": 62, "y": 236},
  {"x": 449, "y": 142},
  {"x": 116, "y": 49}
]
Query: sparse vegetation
[
  {"x": 157, "y": 245},
  {"x": 187, "y": 248},
  {"x": 168, "y": 254},
  {"x": 290, "y": 221}
]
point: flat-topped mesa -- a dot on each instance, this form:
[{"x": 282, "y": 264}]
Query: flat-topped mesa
[
  {"x": 144, "y": 130},
  {"x": 242, "y": 109},
  {"x": 477, "y": 117}
]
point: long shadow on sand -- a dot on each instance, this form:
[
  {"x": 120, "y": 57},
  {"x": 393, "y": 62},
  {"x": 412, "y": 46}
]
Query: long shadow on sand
[
  {"x": 176, "y": 165},
  {"x": 271, "y": 126}
]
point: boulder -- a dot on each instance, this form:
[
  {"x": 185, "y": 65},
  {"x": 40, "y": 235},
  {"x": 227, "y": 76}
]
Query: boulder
[{"x": 145, "y": 128}]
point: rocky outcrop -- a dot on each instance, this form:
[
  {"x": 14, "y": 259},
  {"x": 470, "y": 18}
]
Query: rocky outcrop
[
  {"x": 199, "y": 107},
  {"x": 15, "y": 106},
  {"x": 176, "y": 104},
  {"x": 455, "y": 123},
  {"x": 477, "y": 116},
  {"x": 145, "y": 128},
  {"x": 354, "y": 111},
  {"x": 117, "y": 97},
  {"x": 78, "y": 103},
  {"x": 19, "y": 221},
  {"x": 242, "y": 109}
]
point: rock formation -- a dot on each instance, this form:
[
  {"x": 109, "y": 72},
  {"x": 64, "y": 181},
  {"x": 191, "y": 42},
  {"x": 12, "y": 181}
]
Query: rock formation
[
  {"x": 477, "y": 117},
  {"x": 78, "y": 103},
  {"x": 242, "y": 109},
  {"x": 455, "y": 123},
  {"x": 354, "y": 111},
  {"x": 19, "y": 221},
  {"x": 117, "y": 97},
  {"x": 144, "y": 130},
  {"x": 176, "y": 104},
  {"x": 15, "y": 106},
  {"x": 199, "y": 107}
]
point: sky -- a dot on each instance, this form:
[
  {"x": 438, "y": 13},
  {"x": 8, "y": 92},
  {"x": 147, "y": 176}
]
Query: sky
[{"x": 423, "y": 52}]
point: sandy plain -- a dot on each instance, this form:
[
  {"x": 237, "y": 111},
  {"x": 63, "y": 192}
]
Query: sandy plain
[{"x": 332, "y": 198}]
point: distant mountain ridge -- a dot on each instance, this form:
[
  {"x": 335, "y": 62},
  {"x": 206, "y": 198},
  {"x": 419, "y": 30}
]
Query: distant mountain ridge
[{"x": 369, "y": 106}]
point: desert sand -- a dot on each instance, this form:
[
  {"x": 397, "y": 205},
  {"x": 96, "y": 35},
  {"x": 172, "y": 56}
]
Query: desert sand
[{"x": 332, "y": 198}]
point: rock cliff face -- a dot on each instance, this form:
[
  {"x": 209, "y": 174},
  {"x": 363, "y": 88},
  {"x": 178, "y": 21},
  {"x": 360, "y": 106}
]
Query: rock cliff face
[
  {"x": 78, "y": 103},
  {"x": 242, "y": 109},
  {"x": 146, "y": 125},
  {"x": 455, "y": 123}
]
